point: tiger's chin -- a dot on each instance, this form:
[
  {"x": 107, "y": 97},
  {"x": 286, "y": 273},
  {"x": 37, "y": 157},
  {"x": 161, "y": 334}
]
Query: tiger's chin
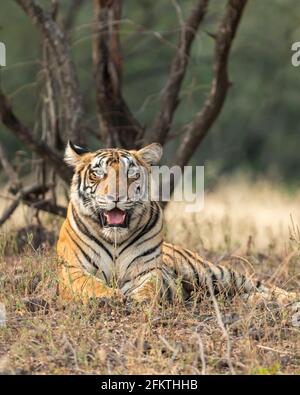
[{"x": 115, "y": 234}]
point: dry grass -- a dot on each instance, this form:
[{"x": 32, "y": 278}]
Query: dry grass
[{"x": 252, "y": 222}]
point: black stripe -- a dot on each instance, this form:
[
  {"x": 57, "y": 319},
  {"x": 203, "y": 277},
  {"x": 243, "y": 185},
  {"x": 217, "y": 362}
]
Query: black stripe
[
  {"x": 233, "y": 279},
  {"x": 136, "y": 231},
  {"x": 191, "y": 265},
  {"x": 194, "y": 256},
  {"x": 143, "y": 231},
  {"x": 148, "y": 252},
  {"x": 214, "y": 280},
  {"x": 147, "y": 228},
  {"x": 70, "y": 266},
  {"x": 77, "y": 278},
  {"x": 81, "y": 250},
  {"x": 172, "y": 258},
  {"x": 79, "y": 269},
  {"x": 87, "y": 245},
  {"x": 137, "y": 286},
  {"x": 85, "y": 176},
  {"x": 82, "y": 227},
  {"x": 167, "y": 286},
  {"x": 78, "y": 183},
  {"x": 169, "y": 255},
  {"x": 232, "y": 284},
  {"x": 140, "y": 275},
  {"x": 104, "y": 275},
  {"x": 222, "y": 272},
  {"x": 243, "y": 281},
  {"x": 153, "y": 236},
  {"x": 153, "y": 258}
]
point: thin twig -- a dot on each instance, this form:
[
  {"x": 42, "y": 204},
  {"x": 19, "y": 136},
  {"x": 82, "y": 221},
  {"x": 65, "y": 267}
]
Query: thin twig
[
  {"x": 31, "y": 197},
  {"x": 10, "y": 210},
  {"x": 198, "y": 128},
  {"x": 117, "y": 125},
  {"x": 72, "y": 12},
  {"x": 9, "y": 119},
  {"x": 7, "y": 167},
  {"x": 222, "y": 327},
  {"x": 69, "y": 81},
  {"x": 201, "y": 353},
  {"x": 170, "y": 93}
]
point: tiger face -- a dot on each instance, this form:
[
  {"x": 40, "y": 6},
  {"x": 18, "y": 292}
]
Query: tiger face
[{"x": 111, "y": 186}]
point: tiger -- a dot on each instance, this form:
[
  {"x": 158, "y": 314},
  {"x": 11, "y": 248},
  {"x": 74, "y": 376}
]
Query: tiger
[{"x": 111, "y": 243}]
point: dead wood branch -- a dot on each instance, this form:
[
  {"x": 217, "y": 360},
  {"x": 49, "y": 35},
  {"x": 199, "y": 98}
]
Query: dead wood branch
[
  {"x": 10, "y": 172},
  {"x": 10, "y": 210},
  {"x": 31, "y": 196},
  {"x": 170, "y": 93},
  {"x": 198, "y": 128},
  {"x": 9, "y": 119},
  {"x": 222, "y": 326},
  {"x": 48, "y": 206},
  {"x": 118, "y": 127},
  {"x": 23, "y": 193},
  {"x": 71, "y": 94},
  {"x": 72, "y": 12}
]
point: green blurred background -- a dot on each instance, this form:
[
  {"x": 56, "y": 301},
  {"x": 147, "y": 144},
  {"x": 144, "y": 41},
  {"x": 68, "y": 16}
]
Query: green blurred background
[{"x": 258, "y": 130}]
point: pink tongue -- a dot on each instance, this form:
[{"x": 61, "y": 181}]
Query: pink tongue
[{"x": 115, "y": 217}]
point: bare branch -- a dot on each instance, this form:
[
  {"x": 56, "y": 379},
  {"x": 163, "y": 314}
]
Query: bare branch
[
  {"x": 222, "y": 326},
  {"x": 49, "y": 207},
  {"x": 68, "y": 76},
  {"x": 8, "y": 168},
  {"x": 9, "y": 119},
  {"x": 21, "y": 194},
  {"x": 198, "y": 128},
  {"x": 72, "y": 12},
  {"x": 10, "y": 210},
  {"x": 118, "y": 127},
  {"x": 31, "y": 197},
  {"x": 170, "y": 93}
]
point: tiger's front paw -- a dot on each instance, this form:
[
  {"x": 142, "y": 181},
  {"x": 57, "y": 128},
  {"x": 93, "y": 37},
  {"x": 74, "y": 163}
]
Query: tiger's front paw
[
  {"x": 110, "y": 302},
  {"x": 148, "y": 293},
  {"x": 113, "y": 298},
  {"x": 145, "y": 296}
]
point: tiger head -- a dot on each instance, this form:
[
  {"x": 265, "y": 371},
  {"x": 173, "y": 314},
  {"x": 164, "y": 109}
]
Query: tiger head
[{"x": 112, "y": 185}]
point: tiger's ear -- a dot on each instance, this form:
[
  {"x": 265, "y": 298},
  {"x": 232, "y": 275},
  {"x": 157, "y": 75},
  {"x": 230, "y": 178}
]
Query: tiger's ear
[
  {"x": 151, "y": 154},
  {"x": 74, "y": 154}
]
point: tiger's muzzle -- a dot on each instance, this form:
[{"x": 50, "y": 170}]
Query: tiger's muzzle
[{"x": 115, "y": 218}]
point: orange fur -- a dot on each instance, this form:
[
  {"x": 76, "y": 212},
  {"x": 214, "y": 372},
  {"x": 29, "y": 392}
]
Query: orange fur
[{"x": 94, "y": 261}]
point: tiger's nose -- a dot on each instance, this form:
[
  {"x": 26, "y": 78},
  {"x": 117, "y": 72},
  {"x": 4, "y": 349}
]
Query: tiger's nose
[
  {"x": 116, "y": 198},
  {"x": 113, "y": 198}
]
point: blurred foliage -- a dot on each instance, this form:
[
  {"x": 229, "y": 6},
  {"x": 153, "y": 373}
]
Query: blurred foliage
[{"x": 258, "y": 129}]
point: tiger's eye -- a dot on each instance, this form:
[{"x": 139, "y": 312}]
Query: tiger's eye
[
  {"x": 97, "y": 174},
  {"x": 133, "y": 173}
]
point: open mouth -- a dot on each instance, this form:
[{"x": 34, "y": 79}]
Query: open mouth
[{"x": 115, "y": 218}]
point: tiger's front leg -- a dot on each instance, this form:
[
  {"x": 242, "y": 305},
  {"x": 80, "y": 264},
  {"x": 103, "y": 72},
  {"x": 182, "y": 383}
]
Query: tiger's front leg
[
  {"x": 151, "y": 286},
  {"x": 75, "y": 284},
  {"x": 148, "y": 291}
]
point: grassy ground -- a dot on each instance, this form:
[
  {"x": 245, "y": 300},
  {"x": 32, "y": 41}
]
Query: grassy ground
[{"x": 249, "y": 227}]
